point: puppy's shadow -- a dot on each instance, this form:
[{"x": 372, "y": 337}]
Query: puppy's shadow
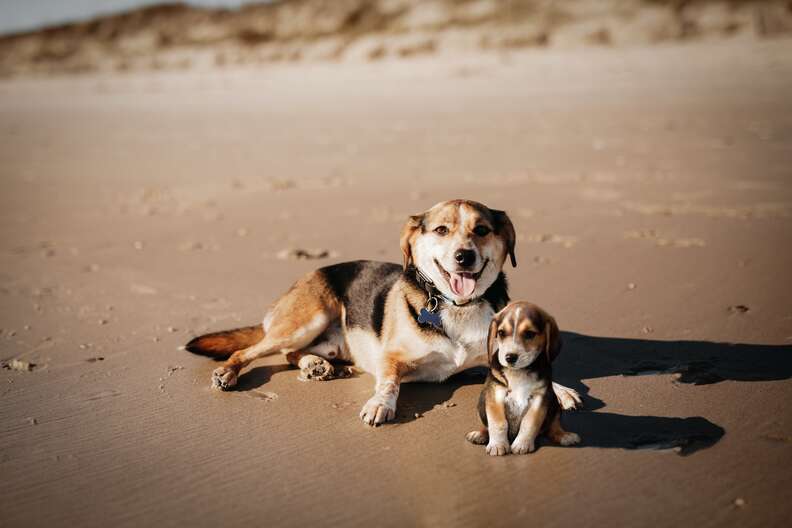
[
  {"x": 607, "y": 430},
  {"x": 689, "y": 362}
]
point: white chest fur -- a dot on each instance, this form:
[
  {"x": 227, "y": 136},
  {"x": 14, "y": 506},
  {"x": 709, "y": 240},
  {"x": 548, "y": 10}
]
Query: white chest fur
[
  {"x": 464, "y": 347},
  {"x": 523, "y": 386}
]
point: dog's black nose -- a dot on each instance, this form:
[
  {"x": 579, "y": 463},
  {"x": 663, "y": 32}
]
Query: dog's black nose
[
  {"x": 511, "y": 358},
  {"x": 465, "y": 257}
]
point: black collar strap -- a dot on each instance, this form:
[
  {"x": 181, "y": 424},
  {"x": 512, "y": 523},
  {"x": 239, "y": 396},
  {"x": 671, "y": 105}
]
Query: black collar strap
[{"x": 435, "y": 295}]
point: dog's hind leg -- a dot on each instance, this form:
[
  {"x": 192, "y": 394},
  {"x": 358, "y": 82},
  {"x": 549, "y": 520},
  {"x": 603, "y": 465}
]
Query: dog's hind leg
[
  {"x": 312, "y": 367},
  {"x": 294, "y": 322},
  {"x": 557, "y": 434},
  {"x": 314, "y": 362}
]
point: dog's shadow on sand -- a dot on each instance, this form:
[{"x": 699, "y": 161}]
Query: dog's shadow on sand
[{"x": 586, "y": 357}]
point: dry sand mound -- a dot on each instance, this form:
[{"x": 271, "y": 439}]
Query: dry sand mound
[{"x": 177, "y": 36}]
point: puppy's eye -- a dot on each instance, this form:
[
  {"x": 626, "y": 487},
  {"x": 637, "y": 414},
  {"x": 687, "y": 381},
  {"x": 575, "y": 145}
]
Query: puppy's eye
[
  {"x": 528, "y": 335},
  {"x": 482, "y": 230},
  {"x": 501, "y": 334},
  {"x": 441, "y": 230}
]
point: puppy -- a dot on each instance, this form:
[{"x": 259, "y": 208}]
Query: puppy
[
  {"x": 517, "y": 402},
  {"x": 424, "y": 320}
]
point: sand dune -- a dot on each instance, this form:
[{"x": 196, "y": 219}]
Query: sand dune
[{"x": 177, "y": 36}]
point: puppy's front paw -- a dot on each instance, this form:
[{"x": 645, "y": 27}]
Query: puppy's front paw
[
  {"x": 497, "y": 448},
  {"x": 479, "y": 437},
  {"x": 568, "y": 398},
  {"x": 224, "y": 378},
  {"x": 521, "y": 446},
  {"x": 376, "y": 411}
]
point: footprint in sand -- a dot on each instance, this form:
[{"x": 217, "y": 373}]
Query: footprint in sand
[
  {"x": 103, "y": 394},
  {"x": 261, "y": 395}
]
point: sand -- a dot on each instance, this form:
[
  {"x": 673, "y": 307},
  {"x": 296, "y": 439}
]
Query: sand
[{"x": 650, "y": 188}]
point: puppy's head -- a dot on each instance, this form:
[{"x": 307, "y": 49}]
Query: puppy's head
[
  {"x": 460, "y": 245},
  {"x": 519, "y": 334}
]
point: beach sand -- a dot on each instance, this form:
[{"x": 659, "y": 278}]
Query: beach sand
[{"x": 650, "y": 188}]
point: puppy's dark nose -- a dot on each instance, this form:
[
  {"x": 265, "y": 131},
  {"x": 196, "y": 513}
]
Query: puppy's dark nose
[
  {"x": 511, "y": 358},
  {"x": 465, "y": 257}
]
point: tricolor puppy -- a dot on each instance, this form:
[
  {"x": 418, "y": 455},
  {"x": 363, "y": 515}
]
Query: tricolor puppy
[
  {"x": 422, "y": 321},
  {"x": 517, "y": 402}
]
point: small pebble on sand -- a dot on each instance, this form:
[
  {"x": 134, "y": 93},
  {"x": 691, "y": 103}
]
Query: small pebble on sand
[
  {"x": 20, "y": 365},
  {"x": 739, "y": 502},
  {"x": 631, "y": 285},
  {"x": 172, "y": 329}
]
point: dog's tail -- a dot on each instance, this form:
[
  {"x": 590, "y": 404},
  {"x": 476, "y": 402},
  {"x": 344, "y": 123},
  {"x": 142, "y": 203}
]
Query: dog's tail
[{"x": 220, "y": 345}]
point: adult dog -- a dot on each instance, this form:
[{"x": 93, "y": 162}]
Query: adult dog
[{"x": 422, "y": 321}]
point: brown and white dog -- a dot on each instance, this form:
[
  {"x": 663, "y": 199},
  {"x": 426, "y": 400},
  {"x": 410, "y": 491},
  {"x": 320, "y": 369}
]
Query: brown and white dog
[
  {"x": 422, "y": 321},
  {"x": 517, "y": 402}
]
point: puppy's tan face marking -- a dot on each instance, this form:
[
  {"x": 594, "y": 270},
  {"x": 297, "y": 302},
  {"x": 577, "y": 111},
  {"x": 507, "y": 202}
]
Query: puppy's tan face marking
[
  {"x": 519, "y": 334},
  {"x": 460, "y": 245}
]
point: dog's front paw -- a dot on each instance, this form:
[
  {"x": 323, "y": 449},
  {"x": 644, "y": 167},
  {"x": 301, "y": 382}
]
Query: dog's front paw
[
  {"x": 568, "y": 398},
  {"x": 224, "y": 378},
  {"x": 376, "y": 411},
  {"x": 497, "y": 448},
  {"x": 521, "y": 446},
  {"x": 315, "y": 368}
]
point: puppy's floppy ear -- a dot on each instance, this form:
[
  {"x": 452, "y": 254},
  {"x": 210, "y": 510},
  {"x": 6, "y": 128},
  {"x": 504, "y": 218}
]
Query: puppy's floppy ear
[
  {"x": 492, "y": 338},
  {"x": 552, "y": 339},
  {"x": 409, "y": 229},
  {"x": 505, "y": 228}
]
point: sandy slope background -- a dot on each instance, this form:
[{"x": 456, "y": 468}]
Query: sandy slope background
[{"x": 650, "y": 187}]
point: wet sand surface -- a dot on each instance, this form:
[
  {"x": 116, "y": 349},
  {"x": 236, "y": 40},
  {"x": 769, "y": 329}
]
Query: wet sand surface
[{"x": 651, "y": 192}]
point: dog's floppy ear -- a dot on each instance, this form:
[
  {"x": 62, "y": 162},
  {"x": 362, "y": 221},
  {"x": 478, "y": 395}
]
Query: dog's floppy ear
[
  {"x": 505, "y": 228},
  {"x": 409, "y": 229},
  {"x": 552, "y": 339},
  {"x": 492, "y": 337}
]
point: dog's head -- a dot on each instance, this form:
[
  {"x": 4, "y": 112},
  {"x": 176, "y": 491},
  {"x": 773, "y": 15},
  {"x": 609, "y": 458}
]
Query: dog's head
[
  {"x": 460, "y": 245},
  {"x": 519, "y": 334}
]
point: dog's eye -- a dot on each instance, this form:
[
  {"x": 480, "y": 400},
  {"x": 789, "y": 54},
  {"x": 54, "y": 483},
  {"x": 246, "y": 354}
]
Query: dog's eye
[
  {"x": 482, "y": 230},
  {"x": 501, "y": 334},
  {"x": 527, "y": 335},
  {"x": 441, "y": 230}
]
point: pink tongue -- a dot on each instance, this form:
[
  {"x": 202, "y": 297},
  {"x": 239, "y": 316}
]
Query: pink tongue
[{"x": 462, "y": 286}]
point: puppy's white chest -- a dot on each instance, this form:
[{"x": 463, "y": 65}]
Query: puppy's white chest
[
  {"x": 517, "y": 400},
  {"x": 523, "y": 387}
]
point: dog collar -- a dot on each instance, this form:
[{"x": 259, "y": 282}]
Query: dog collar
[
  {"x": 430, "y": 313},
  {"x": 435, "y": 295}
]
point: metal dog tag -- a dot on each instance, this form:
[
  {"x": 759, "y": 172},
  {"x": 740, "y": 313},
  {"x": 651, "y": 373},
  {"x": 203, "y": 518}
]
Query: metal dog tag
[{"x": 428, "y": 317}]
